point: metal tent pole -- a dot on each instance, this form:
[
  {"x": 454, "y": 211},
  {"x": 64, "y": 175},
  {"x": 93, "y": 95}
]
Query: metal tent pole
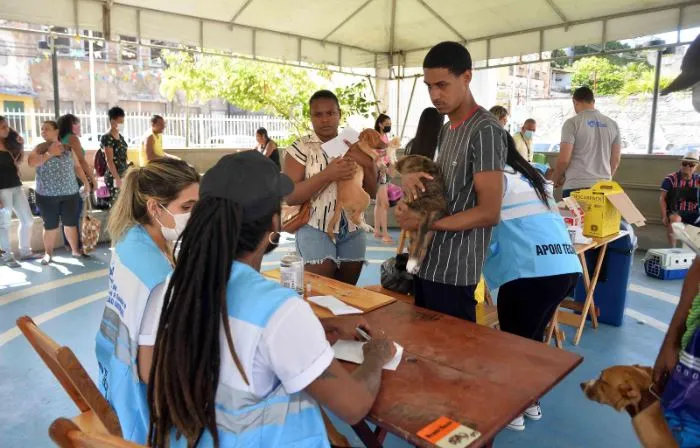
[
  {"x": 655, "y": 100},
  {"x": 54, "y": 73}
]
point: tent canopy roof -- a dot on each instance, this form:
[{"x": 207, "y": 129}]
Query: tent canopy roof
[{"x": 365, "y": 33}]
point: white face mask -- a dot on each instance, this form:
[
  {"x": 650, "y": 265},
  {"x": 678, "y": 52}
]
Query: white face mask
[
  {"x": 180, "y": 224},
  {"x": 696, "y": 97}
]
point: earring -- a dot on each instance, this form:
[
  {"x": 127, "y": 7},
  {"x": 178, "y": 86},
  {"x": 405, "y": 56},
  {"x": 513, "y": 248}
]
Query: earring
[{"x": 269, "y": 238}]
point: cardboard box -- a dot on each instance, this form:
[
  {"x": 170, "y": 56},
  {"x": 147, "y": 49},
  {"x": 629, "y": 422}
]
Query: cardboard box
[
  {"x": 604, "y": 206},
  {"x": 572, "y": 212}
]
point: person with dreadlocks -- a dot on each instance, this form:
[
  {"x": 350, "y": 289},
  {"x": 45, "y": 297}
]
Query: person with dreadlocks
[
  {"x": 240, "y": 360},
  {"x": 149, "y": 215}
]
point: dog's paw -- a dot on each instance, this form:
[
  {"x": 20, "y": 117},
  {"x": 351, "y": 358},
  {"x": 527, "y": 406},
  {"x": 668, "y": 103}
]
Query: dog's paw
[
  {"x": 412, "y": 266},
  {"x": 367, "y": 228}
]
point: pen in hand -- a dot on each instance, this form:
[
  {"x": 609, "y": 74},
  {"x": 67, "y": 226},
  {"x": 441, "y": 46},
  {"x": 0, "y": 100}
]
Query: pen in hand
[{"x": 363, "y": 334}]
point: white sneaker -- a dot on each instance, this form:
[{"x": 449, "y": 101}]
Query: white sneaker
[
  {"x": 517, "y": 425},
  {"x": 534, "y": 412}
]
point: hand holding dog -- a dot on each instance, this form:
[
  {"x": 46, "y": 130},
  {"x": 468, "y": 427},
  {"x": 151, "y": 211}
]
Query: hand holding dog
[
  {"x": 342, "y": 168},
  {"x": 412, "y": 183},
  {"x": 664, "y": 365}
]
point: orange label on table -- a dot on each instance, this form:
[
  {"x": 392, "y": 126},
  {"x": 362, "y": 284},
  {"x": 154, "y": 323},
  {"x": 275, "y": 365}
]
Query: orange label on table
[{"x": 447, "y": 433}]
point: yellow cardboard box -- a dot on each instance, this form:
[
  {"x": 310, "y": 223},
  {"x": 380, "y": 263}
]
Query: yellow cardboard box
[{"x": 604, "y": 205}]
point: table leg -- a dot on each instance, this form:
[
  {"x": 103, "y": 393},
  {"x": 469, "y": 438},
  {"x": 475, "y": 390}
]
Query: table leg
[
  {"x": 366, "y": 435},
  {"x": 553, "y": 330},
  {"x": 589, "y": 304}
]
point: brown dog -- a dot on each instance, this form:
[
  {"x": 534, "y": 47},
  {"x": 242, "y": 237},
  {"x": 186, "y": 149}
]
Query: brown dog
[
  {"x": 431, "y": 205},
  {"x": 351, "y": 197},
  {"x": 629, "y": 388}
]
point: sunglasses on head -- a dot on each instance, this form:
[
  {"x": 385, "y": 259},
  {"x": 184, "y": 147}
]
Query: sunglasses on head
[{"x": 689, "y": 164}]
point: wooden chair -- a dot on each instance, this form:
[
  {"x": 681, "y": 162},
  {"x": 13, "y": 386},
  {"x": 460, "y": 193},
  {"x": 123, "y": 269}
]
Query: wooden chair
[
  {"x": 66, "y": 434},
  {"x": 486, "y": 314},
  {"x": 96, "y": 415}
]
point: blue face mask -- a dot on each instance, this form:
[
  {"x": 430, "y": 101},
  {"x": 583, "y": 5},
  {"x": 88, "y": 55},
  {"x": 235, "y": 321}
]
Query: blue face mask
[{"x": 528, "y": 135}]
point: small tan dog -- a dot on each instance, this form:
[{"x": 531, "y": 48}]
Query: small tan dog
[
  {"x": 629, "y": 388},
  {"x": 351, "y": 197}
]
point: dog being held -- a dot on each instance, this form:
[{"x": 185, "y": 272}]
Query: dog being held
[
  {"x": 629, "y": 388},
  {"x": 431, "y": 205},
  {"x": 351, "y": 197}
]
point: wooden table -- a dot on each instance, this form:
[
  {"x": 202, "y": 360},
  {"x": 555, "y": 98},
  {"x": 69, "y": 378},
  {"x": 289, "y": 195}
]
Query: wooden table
[
  {"x": 480, "y": 377},
  {"x": 587, "y": 308}
]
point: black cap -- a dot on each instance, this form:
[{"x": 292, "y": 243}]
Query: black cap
[
  {"x": 690, "y": 70},
  {"x": 249, "y": 179}
]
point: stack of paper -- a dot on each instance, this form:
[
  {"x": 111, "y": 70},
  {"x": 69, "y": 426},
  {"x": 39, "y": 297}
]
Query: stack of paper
[
  {"x": 334, "y": 305},
  {"x": 351, "y": 351}
]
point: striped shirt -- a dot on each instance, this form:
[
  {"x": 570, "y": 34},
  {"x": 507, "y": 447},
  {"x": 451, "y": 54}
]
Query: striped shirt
[
  {"x": 683, "y": 194},
  {"x": 308, "y": 152},
  {"x": 476, "y": 145}
]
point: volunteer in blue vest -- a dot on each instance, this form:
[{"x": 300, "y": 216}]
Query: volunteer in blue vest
[
  {"x": 240, "y": 360},
  {"x": 531, "y": 264},
  {"x": 149, "y": 215}
]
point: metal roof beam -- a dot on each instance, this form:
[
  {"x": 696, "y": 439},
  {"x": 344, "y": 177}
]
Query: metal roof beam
[
  {"x": 240, "y": 11},
  {"x": 557, "y": 10},
  {"x": 347, "y": 19},
  {"x": 443, "y": 20}
]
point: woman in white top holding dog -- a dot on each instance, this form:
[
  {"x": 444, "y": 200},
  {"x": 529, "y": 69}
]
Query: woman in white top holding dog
[{"x": 315, "y": 177}]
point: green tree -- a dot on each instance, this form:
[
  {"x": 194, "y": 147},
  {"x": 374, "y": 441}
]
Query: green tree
[
  {"x": 181, "y": 75},
  {"x": 279, "y": 90},
  {"x": 599, "y": 74}
]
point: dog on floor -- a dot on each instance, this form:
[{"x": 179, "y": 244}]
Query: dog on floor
[
  {"x": 431, "y": 205},
  {"x": 630, "y": 388},
  {"x": 351, "y": 197}
]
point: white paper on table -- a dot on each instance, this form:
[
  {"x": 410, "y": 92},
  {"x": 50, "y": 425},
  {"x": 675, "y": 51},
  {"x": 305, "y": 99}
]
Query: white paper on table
[
  {"x": 351, "y": 351},
  {"x": 335, "y": 306},
  {"x": 337, "y": 147}
]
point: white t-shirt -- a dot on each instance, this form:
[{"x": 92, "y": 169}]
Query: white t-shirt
[{"x": 293, "y": 349}]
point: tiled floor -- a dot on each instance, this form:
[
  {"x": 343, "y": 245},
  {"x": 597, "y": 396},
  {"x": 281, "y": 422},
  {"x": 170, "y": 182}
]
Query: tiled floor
[{"x": 68, "y": 298}]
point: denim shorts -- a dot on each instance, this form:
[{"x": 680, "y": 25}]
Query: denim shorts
[{"x": 315, "y": 246}]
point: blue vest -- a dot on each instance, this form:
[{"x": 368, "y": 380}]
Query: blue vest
[
  {"x": 137, "y": 267},
  {"x": 531, "y": 240},
  {"x": 243, "y": 418}
]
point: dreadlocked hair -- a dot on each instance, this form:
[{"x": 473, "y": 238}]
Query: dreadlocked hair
[
  {"x": 522, "y": 166},
  {"x": 187, "y": 358}
]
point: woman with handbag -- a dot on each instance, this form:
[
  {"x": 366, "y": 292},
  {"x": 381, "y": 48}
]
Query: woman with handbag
[
  {"x": 145, "y": 222},
  {"x": 315, "y": 177},
  {"x": 57, "y": 190}
]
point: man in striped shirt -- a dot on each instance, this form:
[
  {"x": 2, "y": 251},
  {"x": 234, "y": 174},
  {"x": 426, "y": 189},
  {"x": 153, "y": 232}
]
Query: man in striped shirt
[{"x": 471, "y": 154}]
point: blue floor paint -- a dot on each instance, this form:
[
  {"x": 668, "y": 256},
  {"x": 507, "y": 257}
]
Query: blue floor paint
[{"x": 31, "y": 398}]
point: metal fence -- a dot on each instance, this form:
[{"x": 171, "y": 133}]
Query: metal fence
[{"x": 193, "y": 131}]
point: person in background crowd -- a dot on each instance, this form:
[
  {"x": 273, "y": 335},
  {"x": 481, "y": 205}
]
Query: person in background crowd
[
  {"x": 153, "y": 145},
  {"x": 590, "y": 148},
  {"x": 529, "y": 281},
  {"x": 472, "y": 155},
  {"x": 116, "y": 152},
  {"x": 680, "y": 196},
  {"x": 57, "y": 190},
  {"x": 12, "y": 198},
  {"x": 426, "y": 139},
  {"x": 523, "y": 139},
  {"x": 240, "y": 360},
  {"x": 315, "y": 176},
  {"x": 148, "y": 217},
  {"x": 381, "y": 206},
  {"x": 676, "y": 369},
  {"x": 501, "y": 114},
  {"x": 267, "y": 146},
  {"x": 68, "y": 134}
]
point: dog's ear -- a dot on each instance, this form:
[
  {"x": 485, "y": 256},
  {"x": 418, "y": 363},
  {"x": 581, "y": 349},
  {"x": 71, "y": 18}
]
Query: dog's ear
[{"x": 629, "y": 391}]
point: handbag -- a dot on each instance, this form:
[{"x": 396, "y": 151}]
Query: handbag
[
  {"x": 89, "y": 228},
  {"x": 295, "y": 217}
]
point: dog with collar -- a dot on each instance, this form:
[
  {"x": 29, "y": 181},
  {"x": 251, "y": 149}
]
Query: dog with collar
[{"x": 631, "y": 388}]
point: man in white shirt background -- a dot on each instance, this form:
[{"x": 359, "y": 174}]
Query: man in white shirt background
[{"x": 523, "y": 139}]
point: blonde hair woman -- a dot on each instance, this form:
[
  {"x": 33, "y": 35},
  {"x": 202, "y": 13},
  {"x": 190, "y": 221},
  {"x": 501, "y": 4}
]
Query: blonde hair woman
[{"x": 148, "y": 217}]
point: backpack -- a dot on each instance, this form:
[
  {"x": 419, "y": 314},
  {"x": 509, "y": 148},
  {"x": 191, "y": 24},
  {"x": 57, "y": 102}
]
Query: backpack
[{"x": 100, "y": 163}]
